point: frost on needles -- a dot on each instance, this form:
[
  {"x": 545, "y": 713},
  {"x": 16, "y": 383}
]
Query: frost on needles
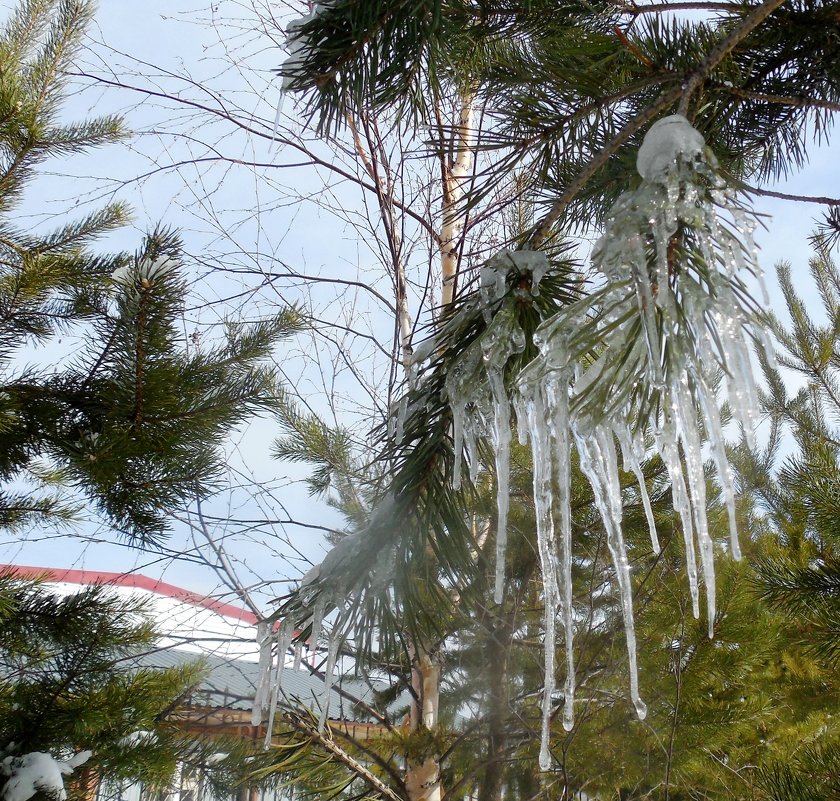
[{"x": 632, "y": 366}]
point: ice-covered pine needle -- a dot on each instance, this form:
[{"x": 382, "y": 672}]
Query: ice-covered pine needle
[{"x": 640, "y": 355}]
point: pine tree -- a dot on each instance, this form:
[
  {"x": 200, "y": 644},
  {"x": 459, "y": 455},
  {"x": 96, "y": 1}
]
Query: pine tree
[
  {"x": 572, "y": 90},
  {"x": 70, "y": 685},
  {"x": 798, "y": 574},
  {"x": 132, "y": 422},
  {"x": 128, "y": 427}
]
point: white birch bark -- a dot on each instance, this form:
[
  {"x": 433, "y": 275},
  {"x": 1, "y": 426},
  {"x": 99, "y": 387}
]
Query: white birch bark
[{"x": 456, "y": 178}]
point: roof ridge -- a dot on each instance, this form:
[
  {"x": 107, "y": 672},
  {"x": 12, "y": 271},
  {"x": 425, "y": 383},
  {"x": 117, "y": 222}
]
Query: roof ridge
[{"x": 133, "y": 581}]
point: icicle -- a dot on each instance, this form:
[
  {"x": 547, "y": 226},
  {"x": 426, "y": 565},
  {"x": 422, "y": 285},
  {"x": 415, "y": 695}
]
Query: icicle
[
  {"x": 598, "y": 462},
  {"x": 492, "y": 285},
  {"x": 276, "y": 126},
  {"x": 478, "y": 399},
  {"x": 666, "y": 444},
  {"x": 541, "y": 452},
  {"x": 689, "y": 434},
  {"x": 521, "y": 420},
  {"x": 471, "y": 446},
  {"x": 461, "y": 384},
  {"x": 284, "y": 638},
  {"x": 263, "y": 688},
  {"x": 503, "y": 339},
  {"x": 298, "y": 655},
  {"x": 714, "y": 432},
  {"x": 502, "y": 438},
  {"x": 557, "y": 390},
  {"x": 402, "y": 411},
  {"x": 457, "y": 443},
  {"x": 317, "y": 624},
  {"x": 631, "y": 455},
  {"x": 329, "y": 671}
]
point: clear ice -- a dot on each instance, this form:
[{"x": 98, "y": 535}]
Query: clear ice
[{"x": 673, "y": 313}]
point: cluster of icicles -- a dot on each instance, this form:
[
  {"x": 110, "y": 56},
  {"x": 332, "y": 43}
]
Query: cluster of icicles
[
  {"x": 274, "y": 644},
  {"x": 275, "y": 640},
  {"x": 672, "y": 315},
  {"x": 662, "y": 331}
]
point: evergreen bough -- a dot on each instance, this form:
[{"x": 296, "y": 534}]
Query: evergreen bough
[{"x": 134, "y": 420}]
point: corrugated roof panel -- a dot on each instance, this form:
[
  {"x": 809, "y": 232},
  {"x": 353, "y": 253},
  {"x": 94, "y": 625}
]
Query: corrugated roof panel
[{"x": 231, "y": 683}]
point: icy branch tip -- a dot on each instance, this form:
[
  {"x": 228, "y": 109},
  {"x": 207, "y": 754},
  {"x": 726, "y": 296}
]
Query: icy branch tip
[{"x": 665, "y": 140}]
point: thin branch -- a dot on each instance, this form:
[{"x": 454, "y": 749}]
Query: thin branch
[
  {"x": 659, "y": 8},
  {"x": 224, "y": 114},
  {"x": 328, "y": 744},
  {"x": 795, "y": 102},
  {"x": 225, "y": 569},
  {"x": 825, "y": 201},
  {"x": 270, "y": 274}
]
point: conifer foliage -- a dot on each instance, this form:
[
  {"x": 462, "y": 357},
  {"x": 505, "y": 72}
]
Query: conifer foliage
[
  {"x": 80, "y": 708},
  {"x": 798, "y": 570},
  {"x": 129, "y": 424},
  {"x": 67, "y": 686},
  {"x": 133, "y": 420}
]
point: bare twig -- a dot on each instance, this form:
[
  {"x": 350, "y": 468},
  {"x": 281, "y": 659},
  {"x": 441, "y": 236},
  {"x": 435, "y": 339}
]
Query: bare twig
[{"x": 823, "y": 200}]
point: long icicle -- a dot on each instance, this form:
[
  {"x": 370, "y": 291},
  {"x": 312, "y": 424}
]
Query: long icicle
[
  {"x": 329, "y": 675},
  {"x": 502, "y": 439},
  {"x": 690, "y": 437},
  {"x": 284, "y": 639},
  {"x": 665, "y": 438},
  {"x": 263, "y": 688},
  {"x": 597, "y": 460},
  {"x": 557, "y": 390},
  {"x": 541, "y": 451}
]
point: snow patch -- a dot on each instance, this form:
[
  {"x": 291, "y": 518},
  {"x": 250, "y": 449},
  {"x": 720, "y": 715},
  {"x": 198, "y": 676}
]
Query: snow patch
[
  {"x": 38, "y": 772},
  {"x": 135, "y": 738}
]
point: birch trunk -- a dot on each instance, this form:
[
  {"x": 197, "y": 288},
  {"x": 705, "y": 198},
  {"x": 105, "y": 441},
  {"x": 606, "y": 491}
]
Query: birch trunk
[
  {"x": 456, "y": 176},
  {"x": 422, "y": 778}
]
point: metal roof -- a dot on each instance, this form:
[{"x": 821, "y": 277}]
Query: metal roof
[{"x": 231, "y": 684}]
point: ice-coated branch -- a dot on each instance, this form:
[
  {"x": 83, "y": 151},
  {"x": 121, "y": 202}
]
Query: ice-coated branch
[
  {"x": 689, "y": 85},
  {"x": 638, "y": 357}
]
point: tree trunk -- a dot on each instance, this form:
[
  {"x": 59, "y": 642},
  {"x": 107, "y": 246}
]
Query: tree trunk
[
  {"x": 422, "y": 778},
  {"x": 496, "y": 652},
  {"x": 455, "y": 177}
]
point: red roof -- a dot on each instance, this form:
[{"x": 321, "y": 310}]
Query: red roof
[{"x": 135, "y": 581}]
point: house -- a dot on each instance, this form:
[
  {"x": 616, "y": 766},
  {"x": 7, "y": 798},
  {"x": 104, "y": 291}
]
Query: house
[{"x": 224, "y": 636}]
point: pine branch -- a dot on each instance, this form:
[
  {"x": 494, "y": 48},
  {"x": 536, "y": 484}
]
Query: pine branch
[
  {"x": 689, "y": 85},
  {"x": 793, "y": 102},
  {"x": 328, "y": 744}
]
